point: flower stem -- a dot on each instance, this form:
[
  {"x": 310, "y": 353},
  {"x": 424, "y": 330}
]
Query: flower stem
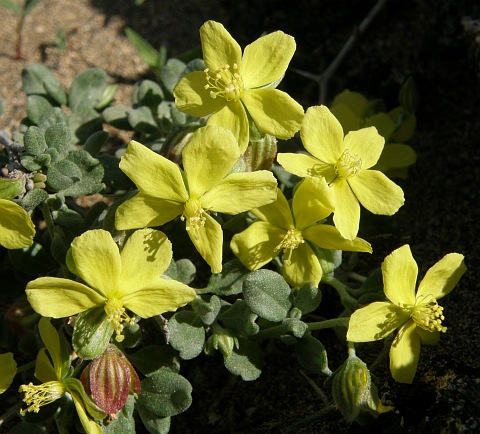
[{"x": 346, "y": 299}]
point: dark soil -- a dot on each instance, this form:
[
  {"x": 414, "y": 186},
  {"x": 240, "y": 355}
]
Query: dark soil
[{"x": 428, "y": 40}]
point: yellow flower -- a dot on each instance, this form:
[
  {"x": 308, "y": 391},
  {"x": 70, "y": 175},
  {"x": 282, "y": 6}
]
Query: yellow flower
[
  {"x": 55, "y": 380},
  {"x": 16, "y": 227},
  {"x": 293, "y": 231},
  {"x": 130, "y": 279},
  {"x": 234, "y": 87},
  {"x": 344, "y": 163},
  {"x": 417, "y": 315},
  {"x": 167, "y": 192},
  {"x": 8, "y": 369}
]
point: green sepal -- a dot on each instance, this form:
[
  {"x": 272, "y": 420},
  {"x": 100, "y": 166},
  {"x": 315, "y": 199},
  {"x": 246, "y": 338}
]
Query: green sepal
[
  {"x": 92, "y": 333},
  {"x": 165, "y": 394},
  {"x": 93, "y": 410},
  {"x": 187, "y": 334},
  {"x": 267, "y": 294}
]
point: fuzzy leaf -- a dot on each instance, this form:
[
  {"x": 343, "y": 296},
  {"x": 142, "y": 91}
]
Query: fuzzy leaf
[
  {"x": 146, "y": 52},
  {"x": 51, "y": 117},
  {"x": 230, "y": 280},
  {"x": 153, "y": 357},
  {"x": 141, "y": 119},
  {"x": 267, "y": 294},
  {"x": 37, "y": 106},
  {"x": 34, "y": 141},
  {"x": 117, "y": 117},
  {"x": 59, "y": 138},
  {"x": 38, "y": 79},
  {"x": 308, "y": 298},
  {"x": 171, "y": 72},
  {"x": 83, "y": 122},
  {"x": 124, "y": 421},
  {"x": 165, "y": 394},
  {"x": 187, "y": 335},
  {"x": 87, "y": 89},
  {"x": 95, "y": 142},
  {"x": 207, "y": 310},
  {"x": 246, "y": 361},
  {"x": 312, "y": 356},
  {"x": 147, "y": 93},
  {"x": 240, "y": 319},
  {"x": 154, "y": 424}
]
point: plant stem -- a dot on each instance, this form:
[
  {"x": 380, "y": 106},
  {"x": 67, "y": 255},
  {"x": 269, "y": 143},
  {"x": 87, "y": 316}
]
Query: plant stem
[{"x": 343, "y": 291}]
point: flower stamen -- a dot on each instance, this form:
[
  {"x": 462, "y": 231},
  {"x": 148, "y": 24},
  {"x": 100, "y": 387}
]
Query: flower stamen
[
  {"x": 194, "y": 215},
  {"x": 292, "y": 239},
  {"x": 43, "y": 394},
  {"x": 225, "y": 82},
  {"x": 348, "y": 165},
  {"x": 117, "y": 315},
  {"x": 429, "y": 315}
]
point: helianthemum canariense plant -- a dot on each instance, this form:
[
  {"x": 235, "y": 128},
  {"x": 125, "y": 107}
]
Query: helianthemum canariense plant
[
  {"x": 344, "y": 162},
  {"x": 234, "y": 87},
  {"x": 293, "y": 231},
  {"x": 417, "y": 315},
  {"x": 205, "y": 185},
  {"x": 118, "y": 281}
]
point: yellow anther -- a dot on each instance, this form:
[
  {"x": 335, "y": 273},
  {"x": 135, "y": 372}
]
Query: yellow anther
[
  {"x": 43, "y": 394},
  {"x": 292, "y": 239},
  {"x": 224, "y": 82},
  {"x": 117, "y": 315},
  {"x": 428, "y": 315},
  {"x": 194, "y": 215},
  {"x": 348, "y": 165}
]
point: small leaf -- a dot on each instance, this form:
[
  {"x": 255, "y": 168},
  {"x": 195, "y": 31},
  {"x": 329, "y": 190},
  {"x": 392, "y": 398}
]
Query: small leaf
[
  {"x": 165, "y": 394},
  {"x": 207, "y": 310},
  {"x": 308, "y": 298},
  {"x": 146, "y": 52},
  {"x": 33, "y": 198},
  {"x": 117, "y": 117},
  {"x": 34, "y": 141},
  {"x": 295, "y": 326},
  {"x": 51, "y": 117},
  {"x": 230, "y": 280},
  {"x": 267, "y": 294},
  {"x": 92, "y": 333},
  {"x": 95, "y": 142},
  {"x": 147, "y": 93},
  {"x": 10, "y": 188},
  {"x": 141, "y": 119},
  {"x": 312, "y": 356},
  {"x": 240, "y": 319},
  {"x": 59, "y": 137},
  {"x": 187, "y": 335},
  {"x": 87, "y": 89},
  {"x": 170, "y": 73},
  {"x": 153, "y": 357},
  {"x": 185, "y": 271},
  {"x": 38, "y": 79},
  {"x": 123, "y": 422},
  {"x": 246, "y": 361},
  {"x": 37, "y": 106},
  {"x": 83, "y": 122}
]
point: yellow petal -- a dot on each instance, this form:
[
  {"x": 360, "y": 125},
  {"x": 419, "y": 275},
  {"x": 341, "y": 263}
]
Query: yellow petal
[
  {"x": 301, "y": 266},
  {"x": 366, "y": 144},
  {"x": 16, "y": 227},
  {"x": 89, "y": 425},
  {"x": 208, "y": 240},
  {"x": 274, "y": 112},
  {"x": 240, "y": 192},
  {"x": 322, "y": 134},
  {"x": 347, "y": 117},
  {"x": 400, "y": 271},
  {"x": 277, "y": 213},
  {"x": 208, "y": 158},
  {"x": 383, "y": 123},
  {"x": 312, "y": 202},
  {"x": 375, "y": 321},
  {"x": 165, "y": 296},
  {"x": 256, "y": 245},
  {"x": 153, "y": 174},
  {"x": 58, "y": 298},
  {"x": 8, "y": 369},
  {"x": 404, "y": 354},
  {"x": 266, "y": 59},
  {"x": 51, "y": 339},
  {"x": 44, "y": 369},
  {"x": 233, "y": 117},
  {"x": 142, "y": 211},
  {"x": 97, "y": 260},
  {"x": 192, "y": 98},
  {"x": 355, "y": 101},
  {"x": 219, "y": 48},
  {"x": 376, "y": 192},
  {"x": 302, "y": 164},
  {"x": 347, "y": 210},
  {"x": 442, "y": 277},
  {"x": 328, "y": 237},
  {"x": 145, "y": 256},
  {"x": 427, "y": 337}
]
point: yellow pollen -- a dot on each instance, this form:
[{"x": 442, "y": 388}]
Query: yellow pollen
[
  {"x": 194, "y": 214},
  {"x": 225, "y": 82},
  {"x": 348, "y": 165},
  {"x": 117, "y": 315},
  {"x": 428, "y": 315},
  {"x": 43, "y": 394},
  {"x": 292, "y": 239}
]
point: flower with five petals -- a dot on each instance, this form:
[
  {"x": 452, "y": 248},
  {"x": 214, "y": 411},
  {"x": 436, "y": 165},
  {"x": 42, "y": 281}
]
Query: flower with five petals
[
  {"x": 417, "y": 315},
  {"x": 117, "y": 280},
  {"x": 293, "y": 230},
  {"x": 345, "y": 164},
  {"x": 205, "y": 185},
  {"x": 234, "y": 87}
]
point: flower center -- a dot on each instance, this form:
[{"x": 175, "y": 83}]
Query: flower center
[
  {"x": 43, "y": 394},
  {"x": 428, "y": 315},
  {"x": 348, "y": 165},
  {"x": 225, "y": 82},
  {"x": 292, "y": 239},
  {"x": 193, "y": 213},
  {"x": 117, "y": 315}
]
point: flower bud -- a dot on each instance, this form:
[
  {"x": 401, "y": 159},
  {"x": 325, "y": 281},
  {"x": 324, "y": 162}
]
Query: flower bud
[
  {"x": 354, "y": 393},
  {"x": 109, "y": 378},
  {"x": 260, "y": 153}
]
